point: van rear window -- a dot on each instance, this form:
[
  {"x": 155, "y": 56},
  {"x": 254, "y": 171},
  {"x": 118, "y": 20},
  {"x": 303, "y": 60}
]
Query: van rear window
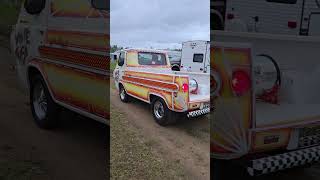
[
  {"x": 283, "y": 1},
  {"x": 198, "y": 58},
  {"x": 146, "y": 58}
]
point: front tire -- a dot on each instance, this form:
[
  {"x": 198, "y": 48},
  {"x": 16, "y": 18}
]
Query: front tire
[
  {"x": 161, "y": 113},
  {"x": 124, "y": 97},
  {"x": 44, "y": 110}
]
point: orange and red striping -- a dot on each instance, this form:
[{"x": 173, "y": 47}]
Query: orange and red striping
[{"x": 80, "y": 58}]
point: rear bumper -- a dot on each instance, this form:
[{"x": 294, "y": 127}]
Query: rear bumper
[
  {"x": 197, "y": 113},
  {"x": 283, "y": 161}
]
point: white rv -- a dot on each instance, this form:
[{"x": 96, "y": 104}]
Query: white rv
[
  {"x": 195, "y": 56},
  {"x": 291, "y": 17}
]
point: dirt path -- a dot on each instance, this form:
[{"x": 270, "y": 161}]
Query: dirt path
[
  {"x": 186, "y": 142},
  {"x": 77, "y": 150}
]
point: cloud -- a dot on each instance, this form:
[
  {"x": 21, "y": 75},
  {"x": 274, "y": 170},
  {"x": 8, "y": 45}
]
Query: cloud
[{"x": 159, "y": 23}]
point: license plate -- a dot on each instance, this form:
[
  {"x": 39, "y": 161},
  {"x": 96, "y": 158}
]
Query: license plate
[{"x": 205, "y": 105}]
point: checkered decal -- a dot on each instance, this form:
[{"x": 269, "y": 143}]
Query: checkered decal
[
  {"x": 309, "y": 141},
  {"x": 198, "y": 112},
  {"x": 283, "y": 161}
]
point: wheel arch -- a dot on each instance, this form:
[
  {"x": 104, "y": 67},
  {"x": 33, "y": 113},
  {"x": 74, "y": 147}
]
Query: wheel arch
[
  {"x": 217, "y": 17},
  {"x": 153, "y": 95},
  {"x": 33, "y": 70}
]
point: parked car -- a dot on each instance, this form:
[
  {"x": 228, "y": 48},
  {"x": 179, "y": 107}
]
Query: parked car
[{"x": 147, "y": 76}]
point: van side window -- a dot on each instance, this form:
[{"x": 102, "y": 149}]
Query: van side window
[
  {"x": 34, "y": 7},
  {"x": 121, "y": 59},
  {"x": 283, "y": 1},
  {"x": 198, "y": 58}
]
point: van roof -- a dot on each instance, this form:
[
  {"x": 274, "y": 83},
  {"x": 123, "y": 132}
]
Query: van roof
[{"x": 146, "y": 50}]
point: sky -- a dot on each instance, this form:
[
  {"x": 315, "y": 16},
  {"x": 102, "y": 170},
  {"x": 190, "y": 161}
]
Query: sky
[{"x": 158, "y": 23}]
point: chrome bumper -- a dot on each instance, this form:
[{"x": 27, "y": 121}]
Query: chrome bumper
[
  {"x": 283, "y": 161},
  {"x": 198, "y": 112}
]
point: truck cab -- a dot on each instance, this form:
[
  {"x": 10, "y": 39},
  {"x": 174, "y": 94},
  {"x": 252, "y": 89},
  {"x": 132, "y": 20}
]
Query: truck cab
[{"x": 61, "y": 48}]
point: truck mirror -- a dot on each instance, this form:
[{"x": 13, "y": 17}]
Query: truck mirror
[{"x": 34, "y": 7}]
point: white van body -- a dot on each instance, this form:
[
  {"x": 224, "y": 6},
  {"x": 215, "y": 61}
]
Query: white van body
[
  {"x": 195, "y": 56},
  {"x": 291, "y": 17}
]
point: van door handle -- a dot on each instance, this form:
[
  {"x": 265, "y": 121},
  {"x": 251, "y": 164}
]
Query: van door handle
[{"x": 201, "y": 69}]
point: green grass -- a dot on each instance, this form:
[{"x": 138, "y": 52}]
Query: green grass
[
  {"x": 8, "y": 17},
  {"x": 132, "y": 154}
]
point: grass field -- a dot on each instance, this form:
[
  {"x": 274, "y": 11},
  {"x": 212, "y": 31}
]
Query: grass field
[{"x": 132, "y": 155}]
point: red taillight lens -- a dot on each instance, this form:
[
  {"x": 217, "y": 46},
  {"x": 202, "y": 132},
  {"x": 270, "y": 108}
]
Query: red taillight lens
[
  {"x": 185, "y": 87},
  {"x": 230, "y": 16},
  {"x": 292, "y": 24},
  {"x": 241, "y": 82}
]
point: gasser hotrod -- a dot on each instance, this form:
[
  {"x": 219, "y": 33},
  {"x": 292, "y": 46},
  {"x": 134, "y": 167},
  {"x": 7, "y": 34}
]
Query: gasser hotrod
[
  {"x": 147, "y": 75},
  {"x": 61, "y": 50},
  {"x": 257, "y": 125}
]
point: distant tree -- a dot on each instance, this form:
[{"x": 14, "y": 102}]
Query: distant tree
[{"x": 115, "y": 48}]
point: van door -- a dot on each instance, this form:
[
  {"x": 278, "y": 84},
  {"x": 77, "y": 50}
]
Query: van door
[
  {"x": 119, "y": 70},
  {"x": 75, "y": 56},
  {"x": 29, "y": 34}
]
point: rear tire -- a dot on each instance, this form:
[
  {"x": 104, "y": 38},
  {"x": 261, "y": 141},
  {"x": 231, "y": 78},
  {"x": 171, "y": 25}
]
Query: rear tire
[
  {"x": 161, "y": 113},
  {"x": 44, "y": 110}
]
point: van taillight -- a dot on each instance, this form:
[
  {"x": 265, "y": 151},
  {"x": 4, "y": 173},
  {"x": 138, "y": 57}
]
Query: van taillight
[
  {"x": 292, "y": 24},
  {"x": 185, "y": 87},
  {"x": 230, "y": 16},
  {"x": 241, "y": 82}
]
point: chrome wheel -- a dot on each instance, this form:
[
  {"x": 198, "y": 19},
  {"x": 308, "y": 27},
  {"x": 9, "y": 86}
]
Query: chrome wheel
[
  {"x": 158, "y": 110},
  {"x": 39, "y": 101}
]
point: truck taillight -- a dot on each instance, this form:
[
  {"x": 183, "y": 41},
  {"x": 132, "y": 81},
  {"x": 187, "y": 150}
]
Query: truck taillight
[
  {"x": 185, "y": 87},
  {"x": 230, "y": 16},
  {"x": 292, "y": 24},
  {"x": 241, "y": 82}
]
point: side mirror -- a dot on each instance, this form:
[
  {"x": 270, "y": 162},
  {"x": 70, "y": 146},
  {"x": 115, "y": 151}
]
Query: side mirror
[
  {"x": 100, "y": 4},
  {"x": 34, "y": 7}
]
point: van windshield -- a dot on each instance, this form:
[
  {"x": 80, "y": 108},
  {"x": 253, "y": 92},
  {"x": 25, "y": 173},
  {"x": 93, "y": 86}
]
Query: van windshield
[{"x": 146, "y": 58}]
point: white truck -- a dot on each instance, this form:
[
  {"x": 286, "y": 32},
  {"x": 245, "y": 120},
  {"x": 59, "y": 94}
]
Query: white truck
[
  {"x": 266, "y": 102},
  {"x": 195, "y": 56},
  {"x": 292, "y": 17}
]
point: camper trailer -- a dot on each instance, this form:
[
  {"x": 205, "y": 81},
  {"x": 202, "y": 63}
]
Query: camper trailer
[
  {"x": 291, "y": 17},
  {"x": 195, "y": 56}
]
